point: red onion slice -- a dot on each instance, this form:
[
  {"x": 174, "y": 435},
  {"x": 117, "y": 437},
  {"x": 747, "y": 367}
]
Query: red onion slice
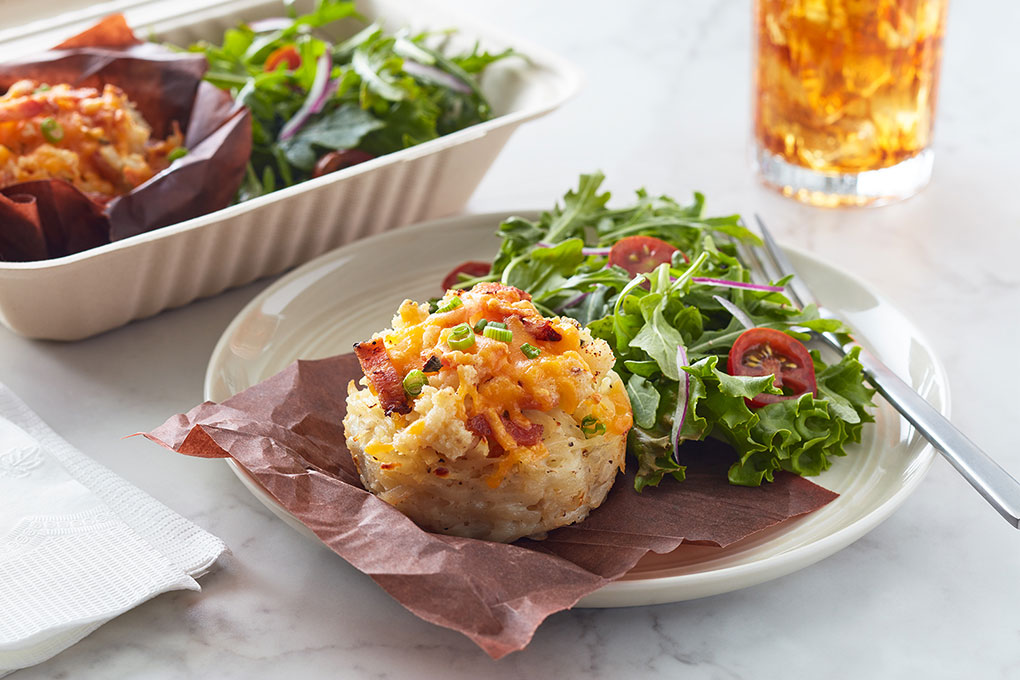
[
  {"x": 330, "y": 89},
  {"x": 436, "y": 75},
  {"x": 318, "y": 93},
  {"x": 737, "y": 312},
  {"x": 683, "y": 395},
  {"x": 572, "y": 302}
]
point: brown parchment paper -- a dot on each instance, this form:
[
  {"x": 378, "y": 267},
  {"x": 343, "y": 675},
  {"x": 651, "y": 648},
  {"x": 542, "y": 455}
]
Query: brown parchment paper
[
  {"x": 165, "y": 86},
  {"x": 286, "y": 432}
]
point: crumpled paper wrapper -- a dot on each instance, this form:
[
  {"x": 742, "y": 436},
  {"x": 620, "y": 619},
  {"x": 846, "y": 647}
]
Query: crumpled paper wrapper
[
  {"x": 287, "y": 433},
  {"x": 52, "y": 218}
]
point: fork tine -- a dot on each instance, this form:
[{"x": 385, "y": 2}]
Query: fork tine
[
  {"x": 744, "y": 255},
  {"x": 763, "y": 266},
  {"x": 799, "y": 293},
  {"x": 761, "y": 271}
]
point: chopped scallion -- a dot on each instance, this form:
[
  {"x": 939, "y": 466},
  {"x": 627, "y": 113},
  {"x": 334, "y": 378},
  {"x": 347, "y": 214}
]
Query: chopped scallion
[
  {"x": 176, "y": 152},
  {"x": 414, "y": 381},
  {"x": 501, "y": 334},
  {"x": 480, "y": 326},
  {"x": 496, "y": 324},
  {"x": 530, "y": 350},
  {"x": 461, "y": 336},
  {"x": 51, "y": 130},
  {"x": 591, "y": 427},
  {"x": 453, "y": 304}
]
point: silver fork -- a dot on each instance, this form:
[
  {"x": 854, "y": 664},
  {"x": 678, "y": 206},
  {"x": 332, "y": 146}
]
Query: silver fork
[{"x": 1000, "y": 489}]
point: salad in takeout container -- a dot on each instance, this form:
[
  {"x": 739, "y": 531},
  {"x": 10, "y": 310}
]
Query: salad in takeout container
[{"x": 363, "y": 117}]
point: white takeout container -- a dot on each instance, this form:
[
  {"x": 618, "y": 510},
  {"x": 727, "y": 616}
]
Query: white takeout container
[{"x": 80, "y": 295}]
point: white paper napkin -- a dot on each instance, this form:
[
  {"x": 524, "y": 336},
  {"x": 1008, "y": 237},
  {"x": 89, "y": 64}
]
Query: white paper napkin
[{"x": 78, "y": 544}]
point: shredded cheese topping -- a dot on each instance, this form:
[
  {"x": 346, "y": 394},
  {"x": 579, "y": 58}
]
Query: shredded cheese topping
[
  {"x": 96, "y": 140},
  {"x": 496, "y": 381}
]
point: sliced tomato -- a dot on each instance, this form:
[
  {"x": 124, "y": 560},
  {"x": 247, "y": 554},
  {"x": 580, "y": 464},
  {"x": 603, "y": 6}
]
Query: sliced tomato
[
  {"x": 470, "y": 268},
  {"x": 340, "y": 159},
  {"x": 766, "y": 351},
  {"x": 287, "y": 54},
  {"x": 641, "y": 254}
]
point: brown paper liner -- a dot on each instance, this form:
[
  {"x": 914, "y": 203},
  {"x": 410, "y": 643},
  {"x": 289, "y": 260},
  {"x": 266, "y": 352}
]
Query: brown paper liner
[
  {"x": 287, "y": 434},
  {"x": 165, "y": 86}
]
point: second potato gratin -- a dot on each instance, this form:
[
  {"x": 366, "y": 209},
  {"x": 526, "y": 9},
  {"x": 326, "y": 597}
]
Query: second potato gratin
[
  {"x": 485, "y": 419},
  {"x": 94, "y": 139}
]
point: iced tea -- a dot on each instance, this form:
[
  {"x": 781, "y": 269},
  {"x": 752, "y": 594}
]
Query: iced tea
[{"x": 845, "y": 87}]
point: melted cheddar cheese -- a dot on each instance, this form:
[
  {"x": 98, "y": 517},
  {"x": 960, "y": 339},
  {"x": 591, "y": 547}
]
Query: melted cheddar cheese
[
  {"x": 96, "y": 140},
  {"x": 497, "y": 381}
]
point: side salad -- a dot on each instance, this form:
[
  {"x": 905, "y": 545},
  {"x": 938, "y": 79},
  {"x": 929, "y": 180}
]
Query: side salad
[
  {"x": 320, "y": 105},
  {"x": 702, "y": 350}
]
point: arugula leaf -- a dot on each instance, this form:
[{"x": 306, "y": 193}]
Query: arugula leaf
[
  {"x": 657, "y": 337},
  {"x": 341, "y": 128},
  {"x": 644, "y": 400}
]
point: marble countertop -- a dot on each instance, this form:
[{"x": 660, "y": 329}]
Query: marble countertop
[{"x": 931, "y": 592}]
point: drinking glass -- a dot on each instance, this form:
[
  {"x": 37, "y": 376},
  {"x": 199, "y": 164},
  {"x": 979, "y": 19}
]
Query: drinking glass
[{"x": 844, "y": 97}]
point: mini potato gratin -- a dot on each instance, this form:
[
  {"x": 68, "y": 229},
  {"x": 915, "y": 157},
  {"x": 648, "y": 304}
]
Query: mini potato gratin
[{"x": 485, "y": 419}]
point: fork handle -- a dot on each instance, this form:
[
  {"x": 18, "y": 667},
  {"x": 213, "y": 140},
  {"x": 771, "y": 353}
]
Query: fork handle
[{"x": 984, "y": 474}]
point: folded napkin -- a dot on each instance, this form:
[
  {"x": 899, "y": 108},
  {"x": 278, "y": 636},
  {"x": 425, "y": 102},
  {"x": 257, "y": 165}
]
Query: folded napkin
[{"x": 78, "y": 544}]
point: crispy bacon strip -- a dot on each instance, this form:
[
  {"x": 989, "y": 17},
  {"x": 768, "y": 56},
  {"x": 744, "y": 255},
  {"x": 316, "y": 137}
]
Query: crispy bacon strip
[
  {"x": 24, "y": 109},
  {"x": 541, "y": 329},
  {"x": 479, "y": 425},
  {"x": 380, "y": 371},
  {"x": 524, "y": 436}
]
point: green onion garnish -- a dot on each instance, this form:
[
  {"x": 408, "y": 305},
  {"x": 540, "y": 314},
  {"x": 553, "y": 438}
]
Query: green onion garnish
[
  {"x": 51, "y": 130},
  {"x": 501, "y": 334},
  {"x": 42, "y": 88},
  {"x": 453, "y": 304},
  {"x": 530, "y": 350},
  {"x": 496, "y": 324},
  {"x": 414, "y": 381},
  {"x": 480, "y": 326},
  {"x": 176, "y": 152},
  {"x": 461, "y": 336},
  {"x": 591, "y": 427}
]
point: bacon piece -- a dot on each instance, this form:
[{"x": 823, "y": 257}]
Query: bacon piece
[
  {"x": 541, "y": 329},
  {"x": 479, "y": 425},
  {"x": 380, "y": 371},
  {"x": 24, "y": 109},
  {"x": 524, "y": 436}
]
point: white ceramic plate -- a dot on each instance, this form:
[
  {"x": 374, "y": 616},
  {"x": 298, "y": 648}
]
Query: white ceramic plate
[{"x": 344, "y": 296}]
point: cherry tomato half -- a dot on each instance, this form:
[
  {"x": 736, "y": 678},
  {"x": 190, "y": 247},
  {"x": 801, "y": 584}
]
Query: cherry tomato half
[
  {"x": 641, "y": 254},
  {"x": 766, "y": 351},
  {"x": 287, "y": 54},
  {"x": 470, "y": 268}
]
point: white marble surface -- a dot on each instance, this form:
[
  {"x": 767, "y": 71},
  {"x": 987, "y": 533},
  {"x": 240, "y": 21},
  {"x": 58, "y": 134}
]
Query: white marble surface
[{"x": 931, "y": 593}]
